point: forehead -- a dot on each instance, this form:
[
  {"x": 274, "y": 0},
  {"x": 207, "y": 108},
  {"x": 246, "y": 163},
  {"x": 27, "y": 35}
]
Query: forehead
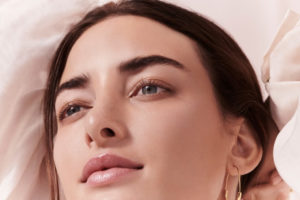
[{"x": 120, "y": 38}]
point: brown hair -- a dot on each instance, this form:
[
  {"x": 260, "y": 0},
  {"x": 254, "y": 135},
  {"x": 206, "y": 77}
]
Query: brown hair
[{"x": 233, "y": 78}]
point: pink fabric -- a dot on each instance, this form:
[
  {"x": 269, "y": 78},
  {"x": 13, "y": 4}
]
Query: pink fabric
[{"x": 29, "y": 35}]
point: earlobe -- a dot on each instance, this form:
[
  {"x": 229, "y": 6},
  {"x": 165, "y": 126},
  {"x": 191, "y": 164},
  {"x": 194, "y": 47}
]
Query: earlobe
[{"x": 245, "y": 152}]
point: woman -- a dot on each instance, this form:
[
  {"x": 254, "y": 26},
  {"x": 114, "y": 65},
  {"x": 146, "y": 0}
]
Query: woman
[{"x": 146, "y": 100}]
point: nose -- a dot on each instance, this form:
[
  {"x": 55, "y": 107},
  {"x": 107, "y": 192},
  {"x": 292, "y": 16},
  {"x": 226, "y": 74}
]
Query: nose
[{"x": 105, "y": 127}]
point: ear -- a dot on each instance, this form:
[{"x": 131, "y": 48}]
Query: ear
[{"x": 245, "y": 153}]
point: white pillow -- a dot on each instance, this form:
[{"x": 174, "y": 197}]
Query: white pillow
[{"x": 30, "y": 31}]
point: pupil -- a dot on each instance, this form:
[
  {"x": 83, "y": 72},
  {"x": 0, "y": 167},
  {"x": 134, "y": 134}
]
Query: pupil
[
  {"x": 73, "y": 110},
  {"x": 149, "y": 89}
]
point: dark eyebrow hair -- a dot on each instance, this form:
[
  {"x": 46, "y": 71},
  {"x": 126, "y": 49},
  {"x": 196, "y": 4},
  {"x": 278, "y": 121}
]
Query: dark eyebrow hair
[
  {"x": 134, "y": 65},
  {"x": 139, "y": 63},
  {"x": 77, "y": 82}
]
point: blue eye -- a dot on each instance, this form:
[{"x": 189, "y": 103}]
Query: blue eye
[
  {"x": 149, "y": 89},
  {"x": 70, "y": 110}
]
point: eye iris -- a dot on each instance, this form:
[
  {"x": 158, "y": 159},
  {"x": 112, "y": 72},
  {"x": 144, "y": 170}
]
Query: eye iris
[
  {"x": 72, "y": 110},
  {"x": 149, "y": 89}
]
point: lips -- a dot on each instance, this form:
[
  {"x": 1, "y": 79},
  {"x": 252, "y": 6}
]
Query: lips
[{"x": 108, "y": 163}]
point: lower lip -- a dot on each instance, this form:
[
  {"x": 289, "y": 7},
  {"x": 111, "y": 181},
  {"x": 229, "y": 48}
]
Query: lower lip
[{"x": 102, "y": 178}]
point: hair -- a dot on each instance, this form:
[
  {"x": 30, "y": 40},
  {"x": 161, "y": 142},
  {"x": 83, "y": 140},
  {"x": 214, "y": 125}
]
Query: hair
[{"x": 234, "y": 81}]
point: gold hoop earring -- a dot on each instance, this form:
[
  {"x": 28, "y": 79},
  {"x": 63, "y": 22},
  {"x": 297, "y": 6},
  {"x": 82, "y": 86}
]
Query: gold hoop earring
[
  {"x": 226, "y": 189},
  {"x": 239, "y": 193}
]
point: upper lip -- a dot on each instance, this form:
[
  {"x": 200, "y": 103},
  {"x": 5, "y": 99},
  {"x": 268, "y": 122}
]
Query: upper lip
[{"x": 106, "y": 161}]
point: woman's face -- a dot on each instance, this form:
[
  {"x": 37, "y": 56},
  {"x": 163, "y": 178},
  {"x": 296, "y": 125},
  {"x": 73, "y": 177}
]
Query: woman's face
[{"x": 137, "y": 89}]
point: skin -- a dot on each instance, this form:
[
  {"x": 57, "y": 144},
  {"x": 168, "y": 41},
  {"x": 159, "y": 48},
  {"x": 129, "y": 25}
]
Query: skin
[
  {"x": 268, "y": 184},
  {"x": 181, "y": 137}
]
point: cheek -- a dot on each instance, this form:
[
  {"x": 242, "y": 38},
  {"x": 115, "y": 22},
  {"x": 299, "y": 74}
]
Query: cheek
[
  {"x": 184, "y": 147},
  {"x": 67, "y": 152}
]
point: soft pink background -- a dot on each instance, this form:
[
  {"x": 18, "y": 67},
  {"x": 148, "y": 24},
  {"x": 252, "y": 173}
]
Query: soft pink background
[{"x": 252, "y": 23}]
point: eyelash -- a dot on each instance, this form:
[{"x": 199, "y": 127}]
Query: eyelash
[
  {"x": 149, "y": 82},
  {"x": 138, "y": 87},
  {"x": 62, "y": 113}
]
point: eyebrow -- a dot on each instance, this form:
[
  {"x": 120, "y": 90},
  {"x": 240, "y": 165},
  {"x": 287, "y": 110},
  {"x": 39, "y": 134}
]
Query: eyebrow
[
  {"x": 139, "y": 63},
  {"x": 134, "y": 65},
  {"x": 77, "y": 82}
]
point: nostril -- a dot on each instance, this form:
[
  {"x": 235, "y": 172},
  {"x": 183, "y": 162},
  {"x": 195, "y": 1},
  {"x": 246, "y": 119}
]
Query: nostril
[{"x": 107, "y": 132}]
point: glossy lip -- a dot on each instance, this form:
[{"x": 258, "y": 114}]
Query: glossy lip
[{"x": 107, "y": 168}]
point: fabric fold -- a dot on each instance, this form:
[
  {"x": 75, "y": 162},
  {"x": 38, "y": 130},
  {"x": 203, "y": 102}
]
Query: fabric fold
[
  {"x": 281, "y": 75},
  {"x": 30, "y": 31}
]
